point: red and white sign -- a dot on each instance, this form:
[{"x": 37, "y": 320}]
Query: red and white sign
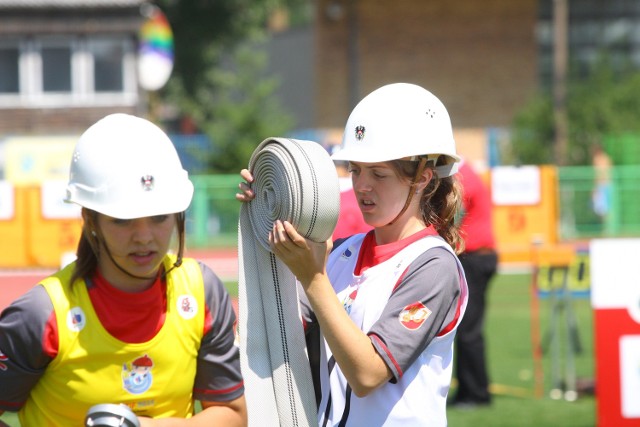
[{"x": 615, "y": 296}]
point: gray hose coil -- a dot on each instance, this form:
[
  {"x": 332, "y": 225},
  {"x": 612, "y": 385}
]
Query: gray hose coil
[{"x": 295, "y": 180}]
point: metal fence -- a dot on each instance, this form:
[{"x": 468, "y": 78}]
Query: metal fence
[
  {"x": 212, "y": 219},
  {"x": 578, "y": 219}
]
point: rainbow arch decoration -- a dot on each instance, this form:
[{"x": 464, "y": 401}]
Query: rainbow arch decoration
[{"x": 155, "y": 52}]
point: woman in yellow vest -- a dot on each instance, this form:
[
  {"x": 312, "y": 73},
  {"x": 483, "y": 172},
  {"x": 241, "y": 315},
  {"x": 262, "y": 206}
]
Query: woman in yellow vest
[{"x": 128, "y": 322}]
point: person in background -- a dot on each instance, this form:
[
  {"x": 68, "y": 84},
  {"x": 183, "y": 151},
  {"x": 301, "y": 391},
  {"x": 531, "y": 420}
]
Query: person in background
[
  {"x": 388, "y": 302},
  {"x": 350, "y": 220},
  {"x": 128, "y": 322},
  {"x": 601, "y": 195},
  {"x": 480, "y": 262}
]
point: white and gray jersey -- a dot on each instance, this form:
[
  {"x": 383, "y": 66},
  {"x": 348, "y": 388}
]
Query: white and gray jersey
[{"x": 410, "y": 306}]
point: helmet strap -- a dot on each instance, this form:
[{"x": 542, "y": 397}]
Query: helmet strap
[
  {"x": 181, "y": 232},
  {"x": 414, "y": 182},
  {"x": 108, "y": 252}
]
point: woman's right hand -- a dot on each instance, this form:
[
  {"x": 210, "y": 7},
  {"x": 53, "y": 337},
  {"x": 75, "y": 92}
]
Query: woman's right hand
[{"x": 247, "y": 194}]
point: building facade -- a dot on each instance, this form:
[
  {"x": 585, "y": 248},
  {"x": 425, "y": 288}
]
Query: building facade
[
  {"x": 66, "y": 63},
  {"x": 479, "y": 58}
]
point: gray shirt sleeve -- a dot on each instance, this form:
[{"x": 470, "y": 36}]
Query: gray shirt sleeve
[
  {"x": 22, "y": 358},
  {"x": 218, "y": 377},
  {"x": 433, "y": 280}
]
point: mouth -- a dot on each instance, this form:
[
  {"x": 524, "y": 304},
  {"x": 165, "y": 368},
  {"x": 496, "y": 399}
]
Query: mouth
[
  {"x": 142, "y": 257},
  {"x": 366, "y": 205}
]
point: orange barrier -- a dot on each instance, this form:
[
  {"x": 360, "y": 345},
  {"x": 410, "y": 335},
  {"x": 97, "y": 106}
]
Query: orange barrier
[
  {"x": 13, "y": 230},
  {"x": 517, "y": 227},
  {"x": 29, "y": 239}
]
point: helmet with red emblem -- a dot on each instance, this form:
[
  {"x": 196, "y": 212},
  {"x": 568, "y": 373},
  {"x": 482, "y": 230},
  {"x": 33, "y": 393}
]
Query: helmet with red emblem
[{"x": 400, "y": 121}]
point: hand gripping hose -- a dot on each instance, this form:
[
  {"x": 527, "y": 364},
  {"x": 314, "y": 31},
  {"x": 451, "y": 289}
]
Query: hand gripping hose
[{"x": 294, "y": 180}]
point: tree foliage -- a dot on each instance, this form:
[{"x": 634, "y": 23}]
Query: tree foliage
[
  {"x": 242, "y": 109},
  {"x": 605, "y": 103},
  {"x": 235, "y": 106}
]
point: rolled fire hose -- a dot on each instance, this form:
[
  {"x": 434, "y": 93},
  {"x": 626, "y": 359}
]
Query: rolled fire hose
[
  {"x": 294, "y": 180},
  {"x": 111, "y": 415}
]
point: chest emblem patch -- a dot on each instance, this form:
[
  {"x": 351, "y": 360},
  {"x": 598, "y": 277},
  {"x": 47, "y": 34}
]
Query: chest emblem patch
[
  {"x": 136, "y": 376},
  {"x": 414, "y": 315},
  {"x": 3, "y": 358},
  {"x": 348, "y": 301},
  {"x": 76, "y": 319},
  {"x": 187, "y": 306}
]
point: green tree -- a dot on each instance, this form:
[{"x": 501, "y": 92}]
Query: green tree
[
  {"x": 242, "y": 110},
  {"x": 532, "y": 133},
  {"x": 604, "y": 103},
  {"x": 236, "y": 106}
]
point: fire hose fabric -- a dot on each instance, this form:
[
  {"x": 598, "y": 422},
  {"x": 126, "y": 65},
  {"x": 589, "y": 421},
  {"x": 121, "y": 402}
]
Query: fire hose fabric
[{"x": 294, "y": 180}]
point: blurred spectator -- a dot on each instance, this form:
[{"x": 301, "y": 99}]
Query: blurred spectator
[
  {"x": 480, "y": 262},
  {"x": 350, "y": 220},
  {"x": 601, "y": 196}
]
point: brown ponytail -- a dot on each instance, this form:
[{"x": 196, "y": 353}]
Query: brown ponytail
[{"x": 440, "y": 202}]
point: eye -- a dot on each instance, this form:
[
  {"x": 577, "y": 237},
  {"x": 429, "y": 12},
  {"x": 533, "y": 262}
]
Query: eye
[
  {"x": 118, "y": 221},
  {"x": 159, "y": 218},
  {"x": 353, "y": 169}
]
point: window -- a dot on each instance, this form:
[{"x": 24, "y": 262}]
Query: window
[
  {"x": 108, "y": 57},
  {"x": 9, "y": 82},
  {"x": 68, "y": 71},
  {"x": 595, "y": 28},
  {"x": 56, "y": 69}
]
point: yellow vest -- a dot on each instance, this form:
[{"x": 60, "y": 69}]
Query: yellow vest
[{"x": 154, "y": 378}]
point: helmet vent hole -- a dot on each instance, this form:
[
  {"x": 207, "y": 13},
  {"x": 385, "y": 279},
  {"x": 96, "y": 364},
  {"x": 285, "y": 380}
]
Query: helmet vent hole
[{"x": 431, "y": 113}]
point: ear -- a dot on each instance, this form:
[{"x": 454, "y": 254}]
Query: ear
[{"x": 425, "y": 178}]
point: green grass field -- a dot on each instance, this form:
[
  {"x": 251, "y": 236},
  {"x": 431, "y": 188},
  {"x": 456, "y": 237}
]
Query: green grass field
[
  {"x": 511, "y": 363},
  {"x": 511, "y": 366}
]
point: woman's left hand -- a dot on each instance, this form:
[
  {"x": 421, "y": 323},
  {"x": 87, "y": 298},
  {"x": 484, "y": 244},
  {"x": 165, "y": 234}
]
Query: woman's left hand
[{"x": 246, "y": 193}]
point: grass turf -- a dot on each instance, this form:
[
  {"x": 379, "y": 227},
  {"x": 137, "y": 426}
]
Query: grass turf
[{"x": 511, "y": 362}]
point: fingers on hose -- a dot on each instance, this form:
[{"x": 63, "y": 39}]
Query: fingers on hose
[
  {"x": 246, "y": 175},
  {"x": 241, "y": 197},
  {"x": 247, "y": 193},
  {"x": 297, "y": 238},
  {"x": 278, "y": 232}
]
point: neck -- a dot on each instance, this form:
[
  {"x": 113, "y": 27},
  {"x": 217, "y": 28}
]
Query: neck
[
  {"x": 124, "y": 281},
  {"x": 395, "y": 232}
]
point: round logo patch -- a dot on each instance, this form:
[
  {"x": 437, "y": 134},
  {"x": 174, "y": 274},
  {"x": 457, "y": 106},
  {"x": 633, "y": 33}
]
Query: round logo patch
[
  {"x": 187, "y": 306},
  {"x": 414, "y": 315},
  {"x": 76, "y": 320}
]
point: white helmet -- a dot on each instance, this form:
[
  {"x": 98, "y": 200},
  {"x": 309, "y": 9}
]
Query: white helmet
[
  {"x": 397, "y": 121},
  {"x": 126, "y": 167}
]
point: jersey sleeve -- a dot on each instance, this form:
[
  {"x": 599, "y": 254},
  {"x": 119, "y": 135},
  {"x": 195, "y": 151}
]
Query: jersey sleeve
[
  {"x": 23, "y": 360},
  {"x": 218, "y": 377},
  {"x": 432, "y": 283}
]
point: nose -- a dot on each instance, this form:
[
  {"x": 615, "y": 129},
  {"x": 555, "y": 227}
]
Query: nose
[
  {"x": 360, "y": 183},
  {"x": 142, "y": 232}
]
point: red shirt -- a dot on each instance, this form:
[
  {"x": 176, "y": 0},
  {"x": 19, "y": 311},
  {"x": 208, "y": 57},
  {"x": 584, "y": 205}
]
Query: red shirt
[
  {"x": 476, "y": 224},
  {"x": 350, "y": 221}
]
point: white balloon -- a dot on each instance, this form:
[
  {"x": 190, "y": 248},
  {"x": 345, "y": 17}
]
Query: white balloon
[{"x": 154, "y": 70}]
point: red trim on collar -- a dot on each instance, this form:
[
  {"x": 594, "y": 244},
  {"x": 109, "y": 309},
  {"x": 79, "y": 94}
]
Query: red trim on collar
[{"x": 372, "y": 254}]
